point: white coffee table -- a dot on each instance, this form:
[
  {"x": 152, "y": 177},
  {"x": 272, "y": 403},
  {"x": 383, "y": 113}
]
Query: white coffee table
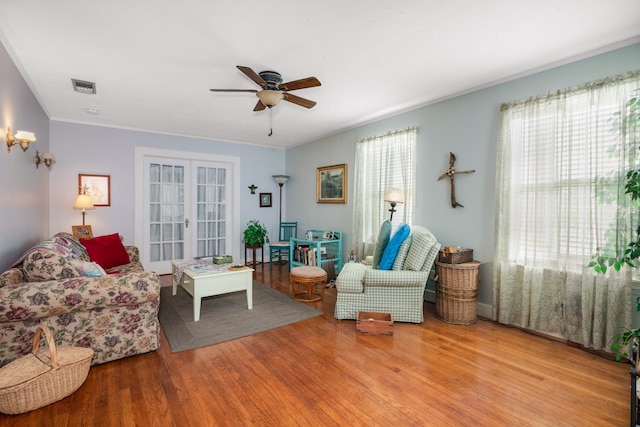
[{"x": 203, "y": 283}]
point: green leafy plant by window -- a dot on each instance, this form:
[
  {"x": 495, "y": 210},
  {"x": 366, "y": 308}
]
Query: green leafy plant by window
[{"x": 621, "y": 249}]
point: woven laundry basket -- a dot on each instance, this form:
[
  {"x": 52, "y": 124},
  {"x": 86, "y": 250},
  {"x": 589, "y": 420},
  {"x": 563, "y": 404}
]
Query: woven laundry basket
[
  {"x": 457, "y": 292},
  {"x": 44, "y": 376}
]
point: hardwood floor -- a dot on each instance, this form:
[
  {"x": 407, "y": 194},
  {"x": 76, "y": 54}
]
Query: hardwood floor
[{"x": 319, "y": 372}]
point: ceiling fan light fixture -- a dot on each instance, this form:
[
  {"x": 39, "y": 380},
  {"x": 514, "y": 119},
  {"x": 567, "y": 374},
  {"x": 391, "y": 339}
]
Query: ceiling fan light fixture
[{"x": 270, "y": 98}]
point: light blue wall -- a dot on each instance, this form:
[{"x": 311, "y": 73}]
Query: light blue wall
[
  {"x": 108, "y": 151},
  {"x": 465, "y": 125},
  {"x": 24, "y": 195}
]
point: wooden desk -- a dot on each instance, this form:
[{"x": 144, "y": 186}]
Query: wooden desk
[{"x": 253, "y": 248}]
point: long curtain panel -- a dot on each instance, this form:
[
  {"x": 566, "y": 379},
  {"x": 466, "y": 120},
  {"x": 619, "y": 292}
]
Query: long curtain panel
[
  {"x": 382, "y": 162},
  {"x": 560, "y": 199}
]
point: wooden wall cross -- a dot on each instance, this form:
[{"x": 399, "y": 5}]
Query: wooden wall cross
[{"x": 451, "y": 173}]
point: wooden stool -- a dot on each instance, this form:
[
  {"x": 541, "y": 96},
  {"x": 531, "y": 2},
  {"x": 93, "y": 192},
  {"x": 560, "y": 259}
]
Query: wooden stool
[{"x": 307, "y": 283}]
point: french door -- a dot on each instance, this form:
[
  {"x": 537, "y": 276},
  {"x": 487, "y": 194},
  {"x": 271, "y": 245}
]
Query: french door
[
  {"x": 166, "y": 197},
  {"x": 187, "y": 210},
  {"x": 212, "y": 192}
]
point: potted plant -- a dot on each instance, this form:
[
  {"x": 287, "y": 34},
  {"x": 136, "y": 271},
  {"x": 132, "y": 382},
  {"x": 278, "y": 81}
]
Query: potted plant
[
  {"x": 626, "y": 123},
  {"x": 255, "y": 234}
]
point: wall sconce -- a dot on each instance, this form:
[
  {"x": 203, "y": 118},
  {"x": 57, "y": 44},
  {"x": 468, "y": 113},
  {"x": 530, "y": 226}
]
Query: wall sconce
[
  {"x": 22, "y": 137},
  {"x": 46, "y": 158}
]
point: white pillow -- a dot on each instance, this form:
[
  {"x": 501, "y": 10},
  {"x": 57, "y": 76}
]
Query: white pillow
[{"x": 86, "y": 268}]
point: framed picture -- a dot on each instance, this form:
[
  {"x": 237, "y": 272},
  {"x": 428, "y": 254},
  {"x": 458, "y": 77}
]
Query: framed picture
[
  {"x": 82, "y": 231},
  {"x": 98, "y": 187},
  {"x": 265, "y": 200},
  {"x": 331, "y": 184}
]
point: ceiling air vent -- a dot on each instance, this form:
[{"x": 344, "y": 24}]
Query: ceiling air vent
[{"x": 82, "y": 86}]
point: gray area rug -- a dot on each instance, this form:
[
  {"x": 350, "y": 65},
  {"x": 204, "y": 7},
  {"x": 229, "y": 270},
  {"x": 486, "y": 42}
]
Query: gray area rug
[{"x": 226, "y": 317}]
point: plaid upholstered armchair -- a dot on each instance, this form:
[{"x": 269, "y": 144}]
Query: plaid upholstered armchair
[{"x": 399, "y": 291}]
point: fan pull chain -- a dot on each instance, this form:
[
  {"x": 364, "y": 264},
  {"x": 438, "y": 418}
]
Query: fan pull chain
[{"x": 270, "y": 122}]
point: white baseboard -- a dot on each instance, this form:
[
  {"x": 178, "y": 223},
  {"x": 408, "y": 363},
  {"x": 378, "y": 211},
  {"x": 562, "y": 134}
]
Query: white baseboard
[{"x": 485, "y": 310}]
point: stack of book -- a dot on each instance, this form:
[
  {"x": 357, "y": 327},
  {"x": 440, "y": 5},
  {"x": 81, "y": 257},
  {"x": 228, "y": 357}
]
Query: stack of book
[{"x": 305, "y": 254}]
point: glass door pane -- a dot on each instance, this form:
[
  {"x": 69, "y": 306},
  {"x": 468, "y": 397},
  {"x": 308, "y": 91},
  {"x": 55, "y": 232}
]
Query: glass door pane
[
  {"x": 166, "y": 220},
  {"x": 211, "y": 199}
]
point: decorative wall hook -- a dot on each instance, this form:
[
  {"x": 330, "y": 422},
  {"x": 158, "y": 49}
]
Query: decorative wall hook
[
  {"x": 253, "y": 189},
  {"x": 451, "y": 173}
]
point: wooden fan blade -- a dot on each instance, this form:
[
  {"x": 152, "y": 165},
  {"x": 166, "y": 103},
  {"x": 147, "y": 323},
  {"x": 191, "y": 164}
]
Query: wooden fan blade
[
  {"x": 253, "y": 76},
  {"x": 300, "y": 84},
  {"x": 259, "y": 106},
  {"x": 299, "y": 101},
  {"x": 234, "y": 90}
]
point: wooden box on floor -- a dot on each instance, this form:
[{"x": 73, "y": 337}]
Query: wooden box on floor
[{"x": 373, "y": 323}]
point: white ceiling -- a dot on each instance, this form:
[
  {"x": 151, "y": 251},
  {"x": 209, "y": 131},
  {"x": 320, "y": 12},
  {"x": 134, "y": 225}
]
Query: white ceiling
[{"x": 153, "y": 61}]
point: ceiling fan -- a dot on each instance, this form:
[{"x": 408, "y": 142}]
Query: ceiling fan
[{"x": 273, "y": 90}]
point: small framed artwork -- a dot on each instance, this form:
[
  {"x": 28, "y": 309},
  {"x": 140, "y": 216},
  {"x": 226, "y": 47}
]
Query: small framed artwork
[
  {"x": 331, "y": 184},
  {"x": 265, "y": 200},
  {"x": 98, "y": 187},
  {"x": 82, "y": 231}
]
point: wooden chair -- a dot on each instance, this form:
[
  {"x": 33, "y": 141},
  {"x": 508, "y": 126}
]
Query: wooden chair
[{"x": 280, "y": 248}]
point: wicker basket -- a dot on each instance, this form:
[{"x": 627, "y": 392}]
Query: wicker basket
[
  {"x": 457, "y": 292},
  {"x": 457, "y": 307},
  {"x": 458, "y": 257},
  {"x": 44, "y": 376},
  {"x": 458, "y": 276}
]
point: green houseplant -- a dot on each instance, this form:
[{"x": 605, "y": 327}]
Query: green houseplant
[
  {"x": 627, "y": 124},
  {"x": 255, "y": 234}
]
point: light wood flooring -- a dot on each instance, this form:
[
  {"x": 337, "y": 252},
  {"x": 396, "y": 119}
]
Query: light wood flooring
[{"x": 320, "y": 372}]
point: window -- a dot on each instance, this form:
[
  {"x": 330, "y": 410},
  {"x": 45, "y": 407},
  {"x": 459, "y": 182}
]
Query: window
[
  {"x": 560, "y": 198},
  {"x": 382, "y": 162},
  {"x": 565, "y": 171}
]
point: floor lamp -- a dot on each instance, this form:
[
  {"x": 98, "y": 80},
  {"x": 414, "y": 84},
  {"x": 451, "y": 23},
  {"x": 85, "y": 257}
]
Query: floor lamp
[{"x": 280, "y": 179}]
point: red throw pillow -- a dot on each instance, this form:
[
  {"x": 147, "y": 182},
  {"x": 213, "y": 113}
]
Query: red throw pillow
[{"x": 108, "y": 251}]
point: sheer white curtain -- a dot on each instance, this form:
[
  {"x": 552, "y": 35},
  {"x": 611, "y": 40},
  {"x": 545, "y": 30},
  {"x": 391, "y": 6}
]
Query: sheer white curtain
[
  {"x": 559, "y": 199},
  {"x": 382, "y": 162}
]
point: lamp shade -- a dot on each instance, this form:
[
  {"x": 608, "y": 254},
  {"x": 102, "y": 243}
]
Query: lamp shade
[
  {"x": 280, "y": 179},
  {"x": 83, "y": 202},
  {"x": 394, "y": 195},
  {"x": 270, "y": 98},
  {"x": 23, "y": 135}
]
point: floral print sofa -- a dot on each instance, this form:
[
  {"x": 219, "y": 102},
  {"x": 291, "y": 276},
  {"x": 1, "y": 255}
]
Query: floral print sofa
[{"x": 56, "y": 284}]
